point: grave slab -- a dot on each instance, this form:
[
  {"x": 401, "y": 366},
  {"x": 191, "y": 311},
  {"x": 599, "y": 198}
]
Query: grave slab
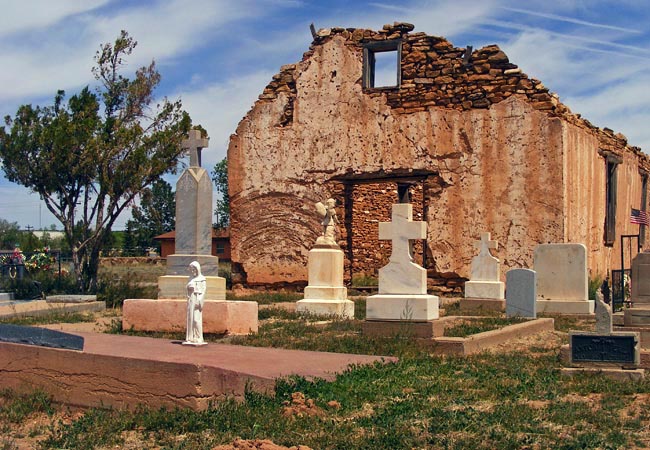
[
  {"x": 33, "y": 308},
  {"x": 123, "y": 371}
]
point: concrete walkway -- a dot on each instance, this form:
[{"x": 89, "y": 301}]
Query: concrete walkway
[{"x": 122, "y": 371}]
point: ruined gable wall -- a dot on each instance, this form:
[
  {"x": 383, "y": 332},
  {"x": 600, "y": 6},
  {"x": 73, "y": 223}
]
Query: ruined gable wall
[{"x": 492, "y": 137}]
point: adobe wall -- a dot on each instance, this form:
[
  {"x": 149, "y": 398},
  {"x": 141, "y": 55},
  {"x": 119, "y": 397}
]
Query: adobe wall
[{"x": 495, "y": 147}]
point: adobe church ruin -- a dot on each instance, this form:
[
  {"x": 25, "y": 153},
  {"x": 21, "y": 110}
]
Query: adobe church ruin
[{"x": 482, "y": 146}]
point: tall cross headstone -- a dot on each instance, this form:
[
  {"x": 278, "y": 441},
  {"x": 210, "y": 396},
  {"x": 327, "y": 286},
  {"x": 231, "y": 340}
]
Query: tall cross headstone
[
  {"x": 195, "y": 143},
  {"x": 193, "y": 240},
  {"x": 401, "y": 275}
]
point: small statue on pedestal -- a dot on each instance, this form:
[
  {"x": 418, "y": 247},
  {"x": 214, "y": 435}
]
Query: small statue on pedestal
[
  {"x": 330, "y": 223},
  {"x": 195, "y": 299}
]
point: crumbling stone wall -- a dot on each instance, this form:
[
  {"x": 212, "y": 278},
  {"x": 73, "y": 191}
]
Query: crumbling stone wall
[{"x": 499, "y": 151}]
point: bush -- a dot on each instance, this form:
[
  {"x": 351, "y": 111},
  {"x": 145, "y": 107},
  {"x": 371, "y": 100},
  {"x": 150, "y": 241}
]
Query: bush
[
  {"x": 115, "y": 291},
  {"x": 594, "y": 285},
  {"x": 33, "y": 284}
]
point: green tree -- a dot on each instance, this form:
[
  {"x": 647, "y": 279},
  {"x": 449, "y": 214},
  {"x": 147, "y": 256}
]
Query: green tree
[
  {"x": 9, "y": 234},
  {"x": 220, "y": 179},
  {"x": 89, "y": 159},
  {"x": 155, "y": 215}
]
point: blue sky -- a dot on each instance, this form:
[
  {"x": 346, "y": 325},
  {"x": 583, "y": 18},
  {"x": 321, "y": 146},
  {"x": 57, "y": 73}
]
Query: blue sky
[{"x": 217, "y": 56}]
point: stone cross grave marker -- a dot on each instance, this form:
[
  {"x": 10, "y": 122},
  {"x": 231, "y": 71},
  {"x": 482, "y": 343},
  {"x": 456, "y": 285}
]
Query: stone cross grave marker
[
  {"x": 485, "y": 267},
  {"x": 195, "y": 143},
  {"x": 401, "y": 275}
]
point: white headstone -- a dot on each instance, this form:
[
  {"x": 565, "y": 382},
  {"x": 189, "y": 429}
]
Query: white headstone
[
  {"x": 402, "y": 283},
  {"x": 401, "y": 275},
  {"x": 485, "y": 281},
  {"x": 521, "y": 293},
  {"x": 562, "y": 284},
  {"x": 485, "y": 267}
]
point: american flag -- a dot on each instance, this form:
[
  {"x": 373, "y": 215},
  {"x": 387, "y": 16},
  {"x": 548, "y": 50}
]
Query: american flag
[{"x": 640, "y": 217}]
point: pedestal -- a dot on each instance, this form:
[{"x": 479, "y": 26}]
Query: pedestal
[
  {"x": 485, "y": 289},
  {"x": 402, "y": 307},
  {"x": 219, "y": 316},
  {"x": 175, "y": 287},
  {"x": 325, "y": 294}
]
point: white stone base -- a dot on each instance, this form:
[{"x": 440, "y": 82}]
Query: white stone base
[
  {"x": 565, "y": 306},
  {"x": 175, "y": 287},
  {"x": 326, "y": 293},
  {"x": 485, "y": 289},
  {"x": 404, "y": 307},
  {"x": 338, "y": 308}
]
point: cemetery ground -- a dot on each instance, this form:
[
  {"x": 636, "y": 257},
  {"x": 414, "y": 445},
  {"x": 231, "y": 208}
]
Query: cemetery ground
[{"x": 512, "y": 396}]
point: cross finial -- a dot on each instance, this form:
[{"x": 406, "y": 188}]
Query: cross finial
[
  {"x": 485, "y": 244},
  {"x": 195, "y": 143},
  {"x": 400, "y": 230}
]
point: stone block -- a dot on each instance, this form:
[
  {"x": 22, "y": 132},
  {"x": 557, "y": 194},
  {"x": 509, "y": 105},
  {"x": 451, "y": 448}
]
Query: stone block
[
  {"x": 338, "y": 308},
  {"x": 175, "y": 287},
  {"x": 219, "y": 316},
  {"x": 561, "y": 272},
  {"x": 639, "y": 316},
  {"x": 521, "y": 293},
  {"x": 178, "y": 263},
  {"x": 485, "y": 289},
  {"x": 325, "y": 293},
  {"x": 404, "y": 307},
  {"x": 641, "y": 275},
  {"x": 326, "y": 267}
]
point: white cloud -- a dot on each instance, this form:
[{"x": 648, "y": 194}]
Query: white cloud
[
  {"x": 219, "y": 107},
  {"x": 18, "y": 16}
]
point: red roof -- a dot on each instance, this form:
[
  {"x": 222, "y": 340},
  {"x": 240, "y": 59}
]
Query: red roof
[{"x": 216, "y": 233}]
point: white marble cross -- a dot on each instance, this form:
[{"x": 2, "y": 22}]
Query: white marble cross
[
  {"x": 401, "y": 275},
  {"x": 401, "y": 230},
  {"x": 485, "y": 244},
  {"x": 195, "y": 143}
]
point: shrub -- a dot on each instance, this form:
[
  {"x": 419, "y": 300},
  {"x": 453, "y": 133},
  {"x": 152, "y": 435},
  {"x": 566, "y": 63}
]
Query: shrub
[{"x": 115, "y": 291}]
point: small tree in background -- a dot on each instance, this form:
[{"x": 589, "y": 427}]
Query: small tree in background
[
  {"x": 89, "y": 159},
  {"x": 154, "y": 216},
  {"x": 220, "y": 179}
]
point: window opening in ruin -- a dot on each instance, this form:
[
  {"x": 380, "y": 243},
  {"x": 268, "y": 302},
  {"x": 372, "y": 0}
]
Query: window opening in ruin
[
  {"x": 644, "y": 206},
  {"x": 381, "y": 64},
  {"x": 610, "y": 208}
]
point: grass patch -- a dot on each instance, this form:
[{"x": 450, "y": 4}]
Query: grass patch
[
  {"x": 485, "y": 401},
  {"x": 469, "y": 326},
  {"x": 268, "y": 297},
  {"x": 54, "y": 317}
]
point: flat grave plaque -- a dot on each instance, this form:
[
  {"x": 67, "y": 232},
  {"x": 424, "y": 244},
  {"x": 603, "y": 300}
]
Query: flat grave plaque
[
  {"x": 603, "y": 348},
  {"x": 40, "y": 336}
]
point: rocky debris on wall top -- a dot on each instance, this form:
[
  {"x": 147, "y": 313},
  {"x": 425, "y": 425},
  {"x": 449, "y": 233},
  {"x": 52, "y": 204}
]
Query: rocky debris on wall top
[{"x": 434, "y": 73}]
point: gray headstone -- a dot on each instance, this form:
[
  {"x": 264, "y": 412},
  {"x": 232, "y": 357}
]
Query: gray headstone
[
  {"x": 603, "y": 315},
  {"x": 40, "y": 336},
  {"x": 521, "y": 293}
]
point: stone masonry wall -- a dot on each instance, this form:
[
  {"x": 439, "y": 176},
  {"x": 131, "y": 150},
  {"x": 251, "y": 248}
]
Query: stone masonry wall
[{"x": 494, "y": 145}]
